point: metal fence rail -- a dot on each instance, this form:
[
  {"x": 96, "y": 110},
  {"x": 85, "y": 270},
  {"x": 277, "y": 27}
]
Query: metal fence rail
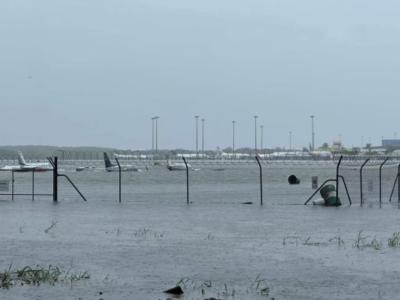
[
  {"x": 55, "y": 176},
  {"x": 347, "y": 164}
]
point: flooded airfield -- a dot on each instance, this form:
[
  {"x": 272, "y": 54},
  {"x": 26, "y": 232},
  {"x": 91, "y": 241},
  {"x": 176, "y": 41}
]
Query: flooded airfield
[{"x": 214, "y": 247}]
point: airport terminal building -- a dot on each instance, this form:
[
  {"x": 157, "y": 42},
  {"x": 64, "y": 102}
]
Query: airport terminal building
[{"x": 391, "y": 143}]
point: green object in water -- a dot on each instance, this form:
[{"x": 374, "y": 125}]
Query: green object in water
[{"x": 328, "y": 193}]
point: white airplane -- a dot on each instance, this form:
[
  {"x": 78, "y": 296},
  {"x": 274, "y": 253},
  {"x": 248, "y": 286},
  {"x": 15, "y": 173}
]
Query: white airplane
[
  {"x": 23, "y": 166},
  {"x": 110, "y": 167}
]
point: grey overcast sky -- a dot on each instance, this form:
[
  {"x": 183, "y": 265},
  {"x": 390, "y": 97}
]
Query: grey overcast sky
[{"x": 93, "y": 72}]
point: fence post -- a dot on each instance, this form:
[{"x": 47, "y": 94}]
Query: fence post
[
  {"x": 119, "y": 180},
  {"x": 55, "y": 179},
  {"x": 361, "y": 181},
  {"x": 12, "y": 184},
  {"x": 396, "y": 181},
  {"x": 337, "y": 176},
  {"x": 398, "y": 184},
  {"x": 54, "y": 163},
  {"x": 33, "y": 185},
  {"x": 261, "y": 179},
  {"x": 187, "y": 179},
  {"x": 380, "y": 180}
]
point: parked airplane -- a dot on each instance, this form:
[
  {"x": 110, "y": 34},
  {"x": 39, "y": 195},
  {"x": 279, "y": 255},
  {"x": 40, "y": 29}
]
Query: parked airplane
[
  {"x": 110, "y": 167},
  {"x": 23, "y": 166}
]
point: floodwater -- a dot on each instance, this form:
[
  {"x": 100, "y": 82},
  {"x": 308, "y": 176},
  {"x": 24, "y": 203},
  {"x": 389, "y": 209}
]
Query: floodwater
[{"x": 216, "y": 246}]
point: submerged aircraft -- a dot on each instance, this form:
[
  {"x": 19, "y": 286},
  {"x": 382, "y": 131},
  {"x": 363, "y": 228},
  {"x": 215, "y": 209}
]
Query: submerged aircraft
[
  {"x": 23, "y": 166},
  {"x": 176, "y": 166},
  {"x": 110, "y": 167}
]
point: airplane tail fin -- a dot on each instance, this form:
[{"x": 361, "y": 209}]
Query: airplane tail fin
[
  {"x": 107, "y": 160},
  {"x": 21, "y": 160}
]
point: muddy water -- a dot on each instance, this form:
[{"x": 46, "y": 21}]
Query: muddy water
[{"x": 217, "y": 246}]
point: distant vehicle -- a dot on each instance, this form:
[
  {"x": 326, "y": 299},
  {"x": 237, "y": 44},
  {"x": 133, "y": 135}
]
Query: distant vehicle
[
  {"x": 110, "y": 167},
  {"x": 23, "y": 166},
  {"x": 176, "y": 166}
]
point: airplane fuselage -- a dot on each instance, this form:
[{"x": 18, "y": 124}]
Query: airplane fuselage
[
  {"x": 23, "y": 166},
  {"x": 124, "y": 168},
  {"x": 27, "y": 168},
  {"x": 177, "y": 166}
]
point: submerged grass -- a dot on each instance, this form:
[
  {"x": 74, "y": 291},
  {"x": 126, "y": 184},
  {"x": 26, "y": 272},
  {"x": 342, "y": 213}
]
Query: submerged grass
[
  {"x": 227, "y": 292},
  {"x": 215, "y": 290},
  {"x": 290, "y": 239},
  {"x": 260, "y": 286},
  {"x": 52, "y": 225},
  {"x": 375, "y": 244},
  {"x": 38, "y": 275},
  {"x": 394, "y": 241},
  {"x": 361, "y": 242},
  {"x": 337, "y": 240},
  {"x": 146, "y": 233},
  {"x": 309, "y": 242}
]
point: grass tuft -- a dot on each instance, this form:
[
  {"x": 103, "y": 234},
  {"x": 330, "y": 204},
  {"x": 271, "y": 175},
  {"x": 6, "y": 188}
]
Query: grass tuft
[
  {"x": 362, "y": 242},
  {"x": 38, "y": 275},
  {"x": 338, "y": 240},
  {"x": 290, "y": 239},
  {"x": 260, "y": 286},
  {"x": 308, "y": 242},
  {"x": 146, "y": 233},
  {"x": 394, "y": 241}
]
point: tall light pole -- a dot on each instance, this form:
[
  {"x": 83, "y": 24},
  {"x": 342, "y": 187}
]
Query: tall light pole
[
  {"x": 233, "y": 137},
  {"x": 152, "y": 135},
  {"x": 202, "y": 136},
  {"x": 261, "y": 138},
  {"x": 290, "y": 141},
  {"x": 312, "y": 133},
  {"x": 156, "y": 118},
  {"x": 154, "y": 128},
  {"x": 197, "y": 135},
  {"x": 255, "y": 134}
]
